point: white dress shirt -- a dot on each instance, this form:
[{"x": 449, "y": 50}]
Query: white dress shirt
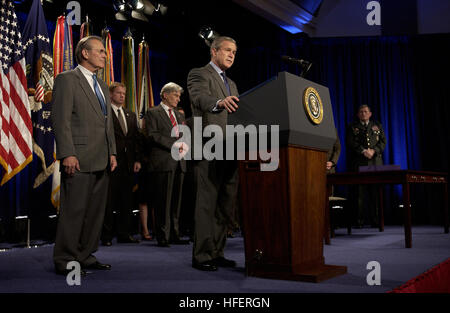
[
  {"x": 88, "y": 74},
  {"x": 166, "y": 108}
]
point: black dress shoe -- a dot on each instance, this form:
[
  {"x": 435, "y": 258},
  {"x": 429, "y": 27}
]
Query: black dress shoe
[
  {"x": 66, "y": 272},
  {"x": 230, "y": 234},
  {"x": 163, "y": 243},
  {"x": 106, "y": 243},
  {"x": 204, "y": 266},
  {"x": 179, "y": 241},
  {"x": 128, "y": 239},
  {"x": 222, "y": 262},
  {"x": 98, "y": 266}
]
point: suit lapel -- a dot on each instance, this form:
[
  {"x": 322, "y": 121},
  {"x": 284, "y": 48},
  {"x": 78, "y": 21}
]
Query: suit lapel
[
  {"x": 218, "y": 79},
  {"x": 90, "y": 94},
  {"x": 129, "y": 119},
  {"x": 163, "y": 115},
  {"x": 116, "y": 122}
]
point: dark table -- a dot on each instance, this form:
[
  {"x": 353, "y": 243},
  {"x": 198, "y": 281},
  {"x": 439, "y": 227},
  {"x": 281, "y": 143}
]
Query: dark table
[{"x": 403, "y": 177}]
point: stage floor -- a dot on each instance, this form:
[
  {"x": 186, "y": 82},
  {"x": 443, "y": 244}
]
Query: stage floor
[{"x": 146, "y": 268}]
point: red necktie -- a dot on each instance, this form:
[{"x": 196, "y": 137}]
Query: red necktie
[{"x": 174, "y": 122}]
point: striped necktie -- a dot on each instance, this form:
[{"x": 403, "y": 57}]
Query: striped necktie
[
  {"x": 99, "y": 95},
  {"x": 174, "y": 122}
]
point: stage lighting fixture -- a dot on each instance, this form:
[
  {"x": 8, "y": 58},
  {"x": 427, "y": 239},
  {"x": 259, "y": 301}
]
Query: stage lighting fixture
[
  {"x": 138, "y": 9},
  {"x": 119, "y": 5},
  {"x": 139, "y": 16},
  {"x": 208, "y": 34},
  {"x": 137, "y": 4},
  {"x": 161, "y": 9},
  {"x": 121, "y": 17},
  {"x": 149, "y": 8}
]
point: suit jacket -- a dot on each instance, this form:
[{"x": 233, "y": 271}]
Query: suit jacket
[
  {"x": 159, "y": 127},
  {"x": 80, "y": 128},
  {"x": 333, "y": 154},
  {"x": 126, "y": 145},
  {"x": 205, "y": 88}
]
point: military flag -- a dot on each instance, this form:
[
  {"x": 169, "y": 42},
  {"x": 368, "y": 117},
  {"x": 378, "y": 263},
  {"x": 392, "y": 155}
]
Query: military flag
[
  {"x": 129, "y": 71},
  {"x": 62, "y": 61},
  {"x": 144, "y": 82},
  {"x": 86, "y": 28},
  {"x": 107, "y": 73}
]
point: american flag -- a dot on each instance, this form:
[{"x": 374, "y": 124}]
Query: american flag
[{"x": 15, "y": 118}]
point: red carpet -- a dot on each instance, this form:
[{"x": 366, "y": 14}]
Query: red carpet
[{"x": 435, "y": 280}]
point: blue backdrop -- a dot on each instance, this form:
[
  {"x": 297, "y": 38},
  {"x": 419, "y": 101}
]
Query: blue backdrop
[{"x": 403, "y": 78}]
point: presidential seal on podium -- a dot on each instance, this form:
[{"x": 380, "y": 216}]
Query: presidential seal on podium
[{"x": 313, "y": 105}]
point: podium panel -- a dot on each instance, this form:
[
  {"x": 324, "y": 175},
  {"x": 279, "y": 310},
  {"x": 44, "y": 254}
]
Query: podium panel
[
  {"x": 283, "y": 210},
  {"x": 283, "y": 217}
]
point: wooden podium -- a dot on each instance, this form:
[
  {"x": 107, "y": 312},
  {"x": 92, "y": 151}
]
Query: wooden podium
[{"x": 283, "y": 210}]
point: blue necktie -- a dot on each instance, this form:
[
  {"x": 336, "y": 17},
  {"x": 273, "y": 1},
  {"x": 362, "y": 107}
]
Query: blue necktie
[
  {"x": 99, "y": 94},
  {"x": 225, "y": 80}
]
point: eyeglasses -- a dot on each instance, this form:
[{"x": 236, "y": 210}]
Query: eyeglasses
[{"x": 101, "y": 51}]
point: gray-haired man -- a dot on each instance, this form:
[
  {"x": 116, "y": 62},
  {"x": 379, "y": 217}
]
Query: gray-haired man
[
  {"x": 85, "y": 145},
  {"x": 167, "y": 173}
]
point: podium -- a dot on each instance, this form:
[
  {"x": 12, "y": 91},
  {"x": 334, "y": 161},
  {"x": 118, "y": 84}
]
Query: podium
[{"x": 283, "y": 210}]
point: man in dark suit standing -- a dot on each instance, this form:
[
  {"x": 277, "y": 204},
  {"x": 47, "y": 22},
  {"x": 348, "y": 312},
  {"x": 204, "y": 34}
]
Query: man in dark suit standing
[
  {"x": 162, "y": 126},
  {"x": 366, "y": 142},
  {"x": 121, "y": 182},
  {"x": 333, "y": 155},
  {"x": 213, "y": 96},
  {"x": 85, "y": 146}
]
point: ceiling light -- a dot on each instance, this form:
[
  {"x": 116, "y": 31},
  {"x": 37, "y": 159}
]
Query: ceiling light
[
  {"x": 149, "y": 8},
  {"x": 137, "y": 4},
  {"x": 139, "y": 16},
  {"x": 119, "y": 5},
  {"x": 208, "y": 34}
]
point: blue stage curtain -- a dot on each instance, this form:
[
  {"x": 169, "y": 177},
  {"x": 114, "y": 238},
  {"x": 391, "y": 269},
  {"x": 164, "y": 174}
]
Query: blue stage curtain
[
  {"x": 402, "y": 78},
  {"x": 378, "y": 71}
]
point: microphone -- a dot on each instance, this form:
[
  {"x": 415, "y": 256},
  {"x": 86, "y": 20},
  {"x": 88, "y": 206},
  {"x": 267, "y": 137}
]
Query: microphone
[
  {"x": 300, "y": 62},
  {"x": 305, "y": 65}
]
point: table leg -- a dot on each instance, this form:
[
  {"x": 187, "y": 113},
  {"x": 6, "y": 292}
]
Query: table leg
[
  {"x": 381, "y": 208},
  {"x": 349, "y": 210},
  {"x": 446, "y": 222},
  {"x": 407, "y": 215},
  {"x": 326, "y": 230}
]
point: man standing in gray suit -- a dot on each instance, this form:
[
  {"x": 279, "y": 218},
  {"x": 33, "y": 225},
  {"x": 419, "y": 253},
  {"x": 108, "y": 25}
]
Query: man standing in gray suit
[
  {"x": 85, "y": 146},
  {"x": 162, "y": 126},
  {"x": 213, "y": 96}
]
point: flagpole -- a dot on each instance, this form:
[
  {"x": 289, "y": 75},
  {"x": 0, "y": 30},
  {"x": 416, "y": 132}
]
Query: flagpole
[{"x": 38, "y": 58}]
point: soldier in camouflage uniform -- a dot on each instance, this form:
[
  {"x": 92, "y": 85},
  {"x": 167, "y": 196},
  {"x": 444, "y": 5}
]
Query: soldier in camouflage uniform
[{"x": 365, "y": 141}]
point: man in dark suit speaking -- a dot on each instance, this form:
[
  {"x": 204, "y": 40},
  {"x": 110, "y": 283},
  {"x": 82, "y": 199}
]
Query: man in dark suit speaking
[
  {"x": 85, "y": 146},
  {"x": 213, "y": 96}
]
